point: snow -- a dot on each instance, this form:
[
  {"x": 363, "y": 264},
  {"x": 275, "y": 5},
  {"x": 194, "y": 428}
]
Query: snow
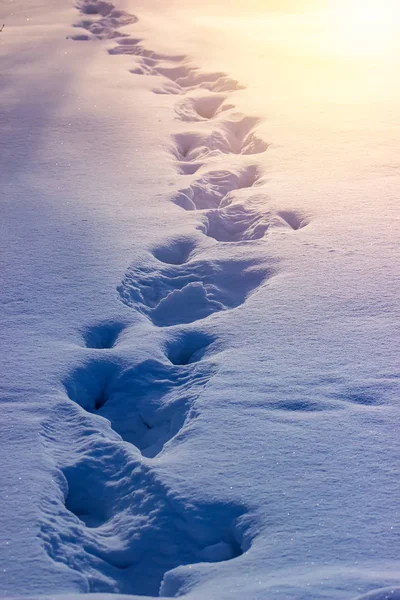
[{"x": 199, "y": 304}]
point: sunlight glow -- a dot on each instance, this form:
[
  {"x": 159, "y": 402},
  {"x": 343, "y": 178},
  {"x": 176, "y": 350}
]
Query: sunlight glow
[{"x": 362, "y": 27}]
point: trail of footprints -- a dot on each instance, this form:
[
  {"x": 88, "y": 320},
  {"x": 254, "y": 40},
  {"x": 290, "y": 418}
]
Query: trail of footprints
[
  {"x": 132, "y": 530},
  {"x": 164, "y": 391}
]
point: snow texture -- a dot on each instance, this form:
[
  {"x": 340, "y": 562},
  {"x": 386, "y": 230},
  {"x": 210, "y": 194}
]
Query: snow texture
[{"x": 200, "y": 387}]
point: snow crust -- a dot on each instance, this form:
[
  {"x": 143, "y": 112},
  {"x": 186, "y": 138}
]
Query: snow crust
[{"x": 199, "y": 306}]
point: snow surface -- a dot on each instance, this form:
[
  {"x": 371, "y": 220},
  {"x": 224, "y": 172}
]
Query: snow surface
[{"x": 200, "y": 303}]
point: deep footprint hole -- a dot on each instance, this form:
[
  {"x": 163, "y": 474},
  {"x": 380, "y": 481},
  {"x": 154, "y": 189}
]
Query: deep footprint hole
[
  {"x": 207, "y": 107},
  {"x": 249, "y": 177},
  {"x": 293, "y": 219},
  {"x": 103, "y": 335},
  {"x": 175, "y": 252},
  {"x": 94, "y": 7},
  {"x": 188, "y": 347},
  {"x": 89, "y": 385},
  {"x": 187, "y": 168},
  {"x": 86, "y": 496},
  {"x": 209, "y": 533},
  {"x": 146, "y": 404},
  {"x": 175, "y": 73}
]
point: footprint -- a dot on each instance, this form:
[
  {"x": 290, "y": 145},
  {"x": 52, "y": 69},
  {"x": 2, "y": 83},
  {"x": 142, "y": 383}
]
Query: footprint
[
  {"x": 102, "y": 335},
  {"x": 148, "y": 404},
  {"x": 109, "y": 21},
  {"x": 193, "y": 291},
  {"x": 87, "y": 497},
  {"x": 247, "y": 220},
  {"x": 175, "y": 252},
  {"x": 149, "y": 58},
  {"x": 190, "y": 78},
  {"x": 294, "y": 219},
  {"x": 196, "y": 146},
  {"x": 188, "y": 168},
  {"x": 235, "y": 223},
  {"x": 231, "y": 137},
  {"x": 174, "y": 72},
  {"x": 165, "y": 88},
  {"x": 202, "y": 107},
  {"x": 187, "y": 347},
  {"x": 133, "y": 49},
  {"x": 187, "y": 79},
  {"x": 95, "y": 7},
  {"x": 214, "y": 82},
  {"x": 184, "y": 77},
  {"x": 210, "y": 190},
  {"x": 126, "y": 44},
  {"x": 126, "y": 532}
]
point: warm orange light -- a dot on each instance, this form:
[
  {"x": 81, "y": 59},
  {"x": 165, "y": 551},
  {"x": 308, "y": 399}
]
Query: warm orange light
[{"x": 362, "y": 27}]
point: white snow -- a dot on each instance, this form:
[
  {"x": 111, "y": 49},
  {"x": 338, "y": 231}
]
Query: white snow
[{"x": 200, "y": 283}]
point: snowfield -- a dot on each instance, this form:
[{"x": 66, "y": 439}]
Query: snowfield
[{"x": 200, "y": 283}]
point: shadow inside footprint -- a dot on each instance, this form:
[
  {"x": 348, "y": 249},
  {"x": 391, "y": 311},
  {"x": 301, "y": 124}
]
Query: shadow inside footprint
[
  {"x": 193, "y": 291},
  {"x": 236, "y": 223},
  {"x": 237, "y": 220},
  {"x": 202, "y": 107},
  {"x": 122, "y": 510},
  {"x": 109, "y": 19},
  {"x": 235, "y": 136},
  {"x": 214, "y": 82},
  {"x": 147, "y": 405},
  {"x": 87, "y": 496},
  {"x": 213, "y": 188},
  {"x": 294, "y": 219},
  {"x": 95, "y": 7},
  {"x": 102, "y": 335},
  {"x": 175, "y": 252},
  {"x": 188, "y": 347}
]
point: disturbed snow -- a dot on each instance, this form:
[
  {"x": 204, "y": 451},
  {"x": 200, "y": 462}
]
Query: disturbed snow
[{"x": 199, "y": 377}]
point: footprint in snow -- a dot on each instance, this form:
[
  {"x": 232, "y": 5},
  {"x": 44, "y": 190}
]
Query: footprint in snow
[
  {"x": 146, "y": 404},
  {"x": 172, "y": 295},
  {"x": 102, "y": 20}
]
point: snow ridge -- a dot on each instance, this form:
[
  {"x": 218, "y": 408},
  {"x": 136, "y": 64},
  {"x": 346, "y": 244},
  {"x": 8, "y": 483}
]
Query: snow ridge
[{"x": 127, "y": 530}]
